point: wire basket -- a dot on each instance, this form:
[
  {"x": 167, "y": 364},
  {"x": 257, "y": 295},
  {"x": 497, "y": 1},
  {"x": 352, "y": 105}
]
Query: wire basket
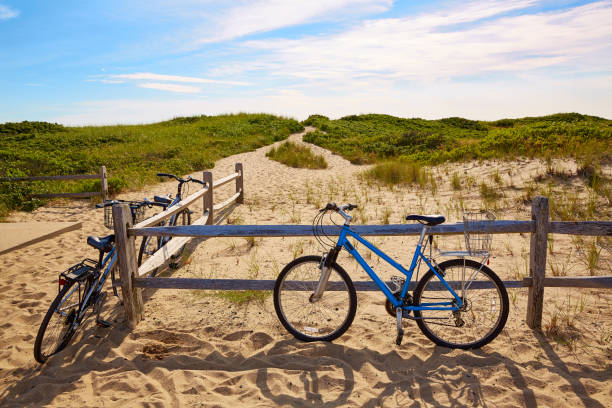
[
  {"x": 138, "y": 214},
  {"x": 477, "y": 243}
]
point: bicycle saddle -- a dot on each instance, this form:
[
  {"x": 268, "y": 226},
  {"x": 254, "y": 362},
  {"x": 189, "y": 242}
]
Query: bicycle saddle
[
  {"x": 162, "y": 199},
  {"x": 104, "y": 244},
  {"x": 427, "y": 219}
]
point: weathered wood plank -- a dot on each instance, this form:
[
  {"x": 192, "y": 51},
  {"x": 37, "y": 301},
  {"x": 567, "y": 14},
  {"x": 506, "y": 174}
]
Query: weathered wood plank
[
  {"x": 74, "y": 195},
  {"x": 603, "y": 282},
  {"x": 240, "y": 183},
  {"x": 248, "y": 284},
  {"x": 44, "y": 178},
  {"x": 170, "y": 211},
  {"x": 537, "y": 262},
  {"x": 496, "y": 227},
  {"x": 208, "y": 197},
  {"x": 14, "y": 236},
  {"x": 226, "y": 179},
  {"x": 163, "y": 254},
  {"x": 128, "y": 265},
  {"x": 227, "y": 202},
  {"x": 592, "y": 228},
  {"x": 103, "y": 183}
]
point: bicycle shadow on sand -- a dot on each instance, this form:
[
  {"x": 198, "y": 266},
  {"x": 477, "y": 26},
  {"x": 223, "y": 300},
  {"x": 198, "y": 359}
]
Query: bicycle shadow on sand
[
  {"x": 91, "y": 343},
  {"x": 294, "y": 373}
]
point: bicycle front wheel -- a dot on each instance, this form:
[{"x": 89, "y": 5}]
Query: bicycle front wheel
[
  {"x": 482, "y": 316},
  {"x": 58, "y": 325},
  {"x": 325, "y": 319},
  {"x": 182, "y": 218},
  {"x": 148, "y": 247}
]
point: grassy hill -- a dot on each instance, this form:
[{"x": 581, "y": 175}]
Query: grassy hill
[
  {"x": 370, "y": 138},
  {"x": 131, "y": 154}
]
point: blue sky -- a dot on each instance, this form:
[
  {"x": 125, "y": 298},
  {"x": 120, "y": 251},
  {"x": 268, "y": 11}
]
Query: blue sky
[{"x": 112, "y": 62}]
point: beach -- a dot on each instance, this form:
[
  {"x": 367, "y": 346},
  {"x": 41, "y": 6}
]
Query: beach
[{"x": 197, "y": 348}]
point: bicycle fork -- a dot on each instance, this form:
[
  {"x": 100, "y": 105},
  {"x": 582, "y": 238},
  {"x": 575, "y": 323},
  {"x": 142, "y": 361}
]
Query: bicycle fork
[{"x": 325, "y": 267}]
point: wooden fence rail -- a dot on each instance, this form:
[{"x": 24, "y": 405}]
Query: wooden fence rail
[
  {"x": 102, "y": 176},
  {"x": 539, "y": 228},
  {"x": 128, "y": 268}
]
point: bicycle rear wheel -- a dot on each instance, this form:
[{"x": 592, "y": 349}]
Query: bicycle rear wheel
[
  {"x": 325, "y": 319},
  {"x": 57, "y": 327},
  {"x": 485, "y": 305}
]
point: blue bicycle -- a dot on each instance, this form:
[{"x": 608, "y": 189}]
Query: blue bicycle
[
  {"x": 80, "y": 289},
  {"x": 459, "y": 303},
  {"x": 150, "y": 245}
]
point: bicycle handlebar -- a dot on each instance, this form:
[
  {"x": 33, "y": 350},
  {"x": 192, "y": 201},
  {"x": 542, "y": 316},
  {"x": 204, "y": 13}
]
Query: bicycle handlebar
[
  {"x": 180, "y": 180},
  {"x": 334, "y": 207},
  {"x": 167, "y": 175},
  {"x": 131, "y": 203}
]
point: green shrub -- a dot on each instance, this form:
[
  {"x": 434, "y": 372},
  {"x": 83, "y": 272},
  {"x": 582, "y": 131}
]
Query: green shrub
[
  {"x": 298, "y": 156},
  {"x": 132, "y": 154},
  {"x": 397, "y": 172},
  {"x": 371, "y": 138}
]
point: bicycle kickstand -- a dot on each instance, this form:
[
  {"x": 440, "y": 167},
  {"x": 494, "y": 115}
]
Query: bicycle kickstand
[
  {"x": 97, "y": 308},
  {"x": 400, "y": 330}
]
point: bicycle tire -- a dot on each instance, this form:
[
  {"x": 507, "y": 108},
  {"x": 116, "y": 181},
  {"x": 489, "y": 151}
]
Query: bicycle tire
[
  {"x": 329, "y": 317},
  {"x": 486, "y": 310},
  {"x": 148, "y": 246},
  {"x": 58, "y": 340},
  {"x": 182, "y": 218}
]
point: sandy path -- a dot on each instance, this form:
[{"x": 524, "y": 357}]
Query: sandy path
[{"x": 197, "y": 349}]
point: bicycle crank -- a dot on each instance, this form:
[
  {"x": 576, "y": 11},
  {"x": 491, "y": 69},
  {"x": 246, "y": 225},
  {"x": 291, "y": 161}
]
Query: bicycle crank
[{"x": 399, "y": 283}]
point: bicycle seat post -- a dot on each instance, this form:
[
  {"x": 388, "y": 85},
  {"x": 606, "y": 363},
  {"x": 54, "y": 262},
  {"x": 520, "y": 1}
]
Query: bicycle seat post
[{"x": 423, "y": 233}]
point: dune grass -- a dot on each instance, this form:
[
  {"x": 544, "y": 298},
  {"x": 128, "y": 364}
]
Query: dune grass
[
  {"x": 397, "y": 172},
  {"x": 373, "y": 137},
  {"x": 297, "y": 156},
  {"x": 132, "y": 154}
]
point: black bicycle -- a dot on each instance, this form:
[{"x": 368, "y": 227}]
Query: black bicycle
[
  {"x": 150, "y": 245},
  {"x": 80, "y": 288}
]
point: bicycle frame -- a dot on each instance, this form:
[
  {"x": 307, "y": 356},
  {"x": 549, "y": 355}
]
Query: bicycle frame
[
  {"x": 112, "y": 257},
  {"x": 417, "y": 257},
  {"x": 177, "y": 199}
]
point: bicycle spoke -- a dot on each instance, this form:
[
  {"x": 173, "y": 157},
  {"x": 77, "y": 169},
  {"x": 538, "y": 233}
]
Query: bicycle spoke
[{"x": 323, "y": 319}]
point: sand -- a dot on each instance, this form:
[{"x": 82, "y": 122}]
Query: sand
[{"x": 194, "y": 348}]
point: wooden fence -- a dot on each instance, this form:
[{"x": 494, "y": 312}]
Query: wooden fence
[
  {"x": 102, "y": 176},
  {"x": 539, "y": 227},
  {"x": 127, "y": 256}
]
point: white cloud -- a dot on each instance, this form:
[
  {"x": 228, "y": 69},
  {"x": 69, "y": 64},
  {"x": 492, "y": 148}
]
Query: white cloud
[
  {"x": 175, "y": 78},
  {"x": 7, "y": 13},
  {"x": 170, "y": 87},
  {"x": 432, "y": 47},
  {"x": 264, "y": 15},
  {"x": 533, "y": 95}
]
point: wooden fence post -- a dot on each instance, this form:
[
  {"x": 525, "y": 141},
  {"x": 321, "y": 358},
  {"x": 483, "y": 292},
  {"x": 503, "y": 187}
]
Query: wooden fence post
[
  {"x": 208, "y": 196},
  {"x": 104, "y": 182},
  {"x": 240, "y": 183},
  {"x": 537, "y": 262},
  {"x": 128, "y": 266}
]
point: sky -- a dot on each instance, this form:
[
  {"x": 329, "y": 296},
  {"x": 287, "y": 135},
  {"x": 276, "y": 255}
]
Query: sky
[{"x": 129, "y": 62}]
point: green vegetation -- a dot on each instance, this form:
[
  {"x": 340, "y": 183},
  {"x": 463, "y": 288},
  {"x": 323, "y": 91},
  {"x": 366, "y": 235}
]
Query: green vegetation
[
  {"x": 131, "y": 154},
  {"x": 456, "y": 182},
  {"x": 294, "y": 155},
  {"x": 397, "y": 172},
  {"x": 241, "y": 297},
  {"x": 370, "y": 138}
]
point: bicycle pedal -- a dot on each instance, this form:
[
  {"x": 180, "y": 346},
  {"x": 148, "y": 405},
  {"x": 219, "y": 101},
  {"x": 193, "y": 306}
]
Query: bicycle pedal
[
  {"x": 398, "y": 339},
  {"x": 103, "y": 323}
]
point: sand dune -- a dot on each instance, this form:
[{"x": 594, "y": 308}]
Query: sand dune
[{"x": 197, "y": 349}]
